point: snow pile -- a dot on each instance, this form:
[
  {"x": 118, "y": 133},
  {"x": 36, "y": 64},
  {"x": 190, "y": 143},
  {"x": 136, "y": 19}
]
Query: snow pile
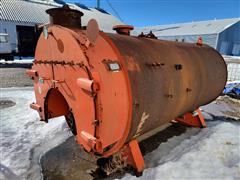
[
  {"x": 211, "y": 153},
  {"x": 23, "y": 138},
  {"x": 17, "y": 60}
]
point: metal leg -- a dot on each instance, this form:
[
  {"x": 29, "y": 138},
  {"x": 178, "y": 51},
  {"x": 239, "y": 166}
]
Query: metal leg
[
  {"x": 137, "y": 160},
  {"x": 129, "y": 155},
  {"x": 194, "y": 119}
]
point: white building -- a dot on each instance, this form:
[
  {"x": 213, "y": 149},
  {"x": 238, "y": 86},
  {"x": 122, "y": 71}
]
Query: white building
[
  {"x": 222, "y": 34},
  {"x": 19, "y": 18}
]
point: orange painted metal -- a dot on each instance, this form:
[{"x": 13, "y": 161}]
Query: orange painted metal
[
  {"x": 36, "y": 107},
  {"x": 136, "y": 155},
  {"x": 85, "y": 84},
  {"x": 90, "y": 139},
  {"x": 31, "y": 73},
  {"x": 194, "y": 119},
  {"x": 114, "y": 87},
  {"x": 199, "y": 41},
  {"x": 131, "y": 154}
]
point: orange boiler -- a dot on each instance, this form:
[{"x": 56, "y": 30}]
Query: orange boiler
[{"x": 113, "y": 88}]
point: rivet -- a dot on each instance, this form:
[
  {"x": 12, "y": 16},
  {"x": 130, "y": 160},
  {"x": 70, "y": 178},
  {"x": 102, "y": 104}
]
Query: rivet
[{"x": 178, "y": 67}]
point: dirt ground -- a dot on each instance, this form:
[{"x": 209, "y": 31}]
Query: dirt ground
[
  {"x": 69, "y": 162},
  {"x": 5, "y": 103},
  {"x": 14, "y": 77},
  {"x": 235, "y": 104}
]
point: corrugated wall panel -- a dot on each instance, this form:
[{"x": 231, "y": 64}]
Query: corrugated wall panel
[
  {"x": 209, "y": 39},
  {"x": 10, "y": 28},
  {"x": 34, "y": 13},
  {"x": 24, "y": 11},
  {"x": 229, "y": 40}
]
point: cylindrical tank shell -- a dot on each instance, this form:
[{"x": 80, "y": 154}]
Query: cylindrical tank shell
[
  {"x": 119, "y": 87},
  {"x": 168, "y": 79},
  {"x": 112, "y": 88}
]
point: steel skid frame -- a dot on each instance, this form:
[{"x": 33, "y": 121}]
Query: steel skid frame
[{"x": 132, "y": 153}]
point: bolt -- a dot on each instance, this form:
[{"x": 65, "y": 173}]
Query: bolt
[
  {"x": 178, "y": 67},
  {"x": 169, "y": 95},
  {"x": 136, "y": 103}
]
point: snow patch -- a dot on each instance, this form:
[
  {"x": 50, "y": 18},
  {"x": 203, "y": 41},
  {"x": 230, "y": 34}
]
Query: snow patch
[
  {"x": 23, "y": 137},
  {"x": 17, "y": 60},
  {"x": 212, "y": 153}
]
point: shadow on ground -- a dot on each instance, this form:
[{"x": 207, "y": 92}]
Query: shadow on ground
[{"x": 69, "y": 161}]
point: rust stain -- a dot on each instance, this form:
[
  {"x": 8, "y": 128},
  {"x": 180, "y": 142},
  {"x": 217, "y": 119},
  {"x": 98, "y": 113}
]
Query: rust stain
[{"x": 132, "y": 65}]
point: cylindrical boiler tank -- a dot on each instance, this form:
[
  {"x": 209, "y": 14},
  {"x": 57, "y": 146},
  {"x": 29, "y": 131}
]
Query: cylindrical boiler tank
[{"x": 113, "y": 88}]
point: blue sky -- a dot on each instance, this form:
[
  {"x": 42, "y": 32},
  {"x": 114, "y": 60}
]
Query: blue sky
[{"x": 153, "y": 12}]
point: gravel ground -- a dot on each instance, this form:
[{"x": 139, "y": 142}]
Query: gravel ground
[
  {"x": 14, "y": 77},
  {"x": 5, "y": 103}
]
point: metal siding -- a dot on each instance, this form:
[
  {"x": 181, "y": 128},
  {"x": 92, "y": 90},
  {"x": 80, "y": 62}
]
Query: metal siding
[
  {"x": 10, "y": 28},
  {"x": 209, "y": 39},
  {"x": 229, "y": 40},
  {"x": 191, "y": 28},
  {"x": 213, "y": 32},
  {"x": 18, "y": 12},
  {"x": 32, "y": 12},
  {"x": 24, "y": 11}
]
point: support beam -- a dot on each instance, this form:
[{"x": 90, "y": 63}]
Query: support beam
[{"x": 194, "y": 119}]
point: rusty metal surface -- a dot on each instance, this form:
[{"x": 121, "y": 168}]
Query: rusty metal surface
[
  {"x": 168, "y": 79},
  {"x": 65, "y": 17},
  {"x": 116, "y": 87}
]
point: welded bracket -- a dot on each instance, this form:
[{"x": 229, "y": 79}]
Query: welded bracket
[
  {"x": 32, "y": 73},
  {"x": 133, "y": 156},
  {"x": 136, "y": 155},
  {"x": 91, "y": 142},
  {"x": 194, "y": 119},
  {"x": 36, "y": 107},
  {"x": 128, "y": 155}
]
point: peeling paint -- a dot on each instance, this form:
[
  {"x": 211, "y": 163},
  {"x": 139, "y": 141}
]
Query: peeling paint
[{"x": 144, "y": 117}]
